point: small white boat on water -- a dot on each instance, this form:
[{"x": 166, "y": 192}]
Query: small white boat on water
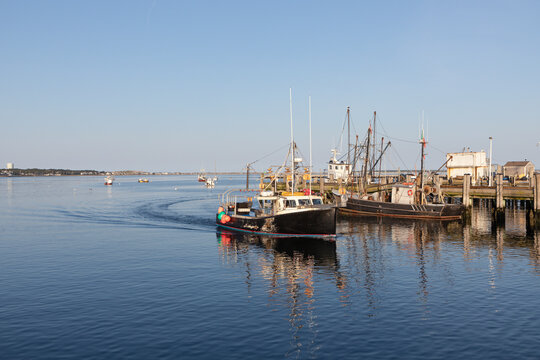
[
  {"x": 211, "y": 182},
  {"x": 109, "y": 180}
]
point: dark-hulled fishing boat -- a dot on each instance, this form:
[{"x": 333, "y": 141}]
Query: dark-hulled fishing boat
[
  {"x": 283, "y": 214},
  {"x": 270, "y": 212},
  {"x": 405, "y": 200},
  {"x": 400, "y": 204}
]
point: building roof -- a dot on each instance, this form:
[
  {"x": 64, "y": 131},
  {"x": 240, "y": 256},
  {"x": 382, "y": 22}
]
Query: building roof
[{"x": 517, "y": 163}]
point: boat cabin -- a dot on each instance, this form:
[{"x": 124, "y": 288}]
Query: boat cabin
[
  {"x": 286, "y": 201},
  {"x": 403, "y": 193},
  {"x": 268, "y": 203},
  {"x": 338, "y": 169}
]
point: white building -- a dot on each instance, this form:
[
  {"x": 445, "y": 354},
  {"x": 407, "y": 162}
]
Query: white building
[
  {"x": 472, "y": 163},
  {"x": 10, "y": 166}
]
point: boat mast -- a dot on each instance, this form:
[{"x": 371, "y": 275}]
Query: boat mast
[
  {"x": 423, "y": 145},
  {"x": 374, "y": 141},
  {"x": 292, "y": 140},
  {"x": 247, "y": 177},
  {"x": 349, "y": 135},
  {"x": 364, "y": 179},
  {"x": 310, "y": 154},
  {"x": 380, "y": 162}
]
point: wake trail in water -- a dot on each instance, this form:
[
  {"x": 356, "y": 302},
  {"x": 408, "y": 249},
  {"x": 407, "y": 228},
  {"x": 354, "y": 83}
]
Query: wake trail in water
[{"x": 155, "y": 214}]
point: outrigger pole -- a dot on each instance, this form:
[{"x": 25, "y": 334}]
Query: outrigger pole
[{"x": 366, "y": 160}]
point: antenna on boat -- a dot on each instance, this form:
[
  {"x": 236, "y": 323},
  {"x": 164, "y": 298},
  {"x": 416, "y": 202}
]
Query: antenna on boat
[
  {"x": 310, "y": 154},
  {"x": 292, "y": 140}
]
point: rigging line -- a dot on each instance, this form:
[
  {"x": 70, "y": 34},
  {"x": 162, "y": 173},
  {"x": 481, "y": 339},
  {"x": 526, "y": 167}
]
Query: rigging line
[
  {"x": 399, "y": 157},
  {"x": 391, "y": 137},
  {"x": 341, "y": 135},
  {"x": 415, "y": 161},
  {"x": 402, "y": 140},
  {"x": 272, "y": 153},
  {"x": 439, "y": 150}
]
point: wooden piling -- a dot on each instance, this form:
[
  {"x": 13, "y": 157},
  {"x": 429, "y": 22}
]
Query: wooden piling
[
  {"x": 466, "y": 200},
  {"x": 498, "y": 210},
  {"x": 467, "y": 190},
  {"x": 536, "y": 201}
]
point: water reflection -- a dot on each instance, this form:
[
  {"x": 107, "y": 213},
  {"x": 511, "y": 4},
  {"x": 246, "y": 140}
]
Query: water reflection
[
  {"x": 377, "y": 263},
  {"x": 289, "y": 268}
]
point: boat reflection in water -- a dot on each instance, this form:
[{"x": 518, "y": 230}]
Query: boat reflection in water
[
  {"x": 382, "y": 271},
  {"x": 291, "y": 258},
  {"x": 293, "y": 271}
]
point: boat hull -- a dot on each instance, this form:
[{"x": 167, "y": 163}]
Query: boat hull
[
  {"x": 313, "y": 222},
  {"x": 406, "y": 211}
]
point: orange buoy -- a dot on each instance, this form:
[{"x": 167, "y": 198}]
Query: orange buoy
[
  {"x": 410, "y": 192},
  {"x": 225, "y": 219}
]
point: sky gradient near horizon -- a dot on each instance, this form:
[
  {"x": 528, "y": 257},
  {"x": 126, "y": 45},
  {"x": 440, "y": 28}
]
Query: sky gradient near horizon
[{"x": 182, "y": 85}]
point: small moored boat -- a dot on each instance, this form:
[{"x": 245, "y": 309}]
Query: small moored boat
[
  {"x": 109, "y": 180},
  {"x": 201, "y": 177}
]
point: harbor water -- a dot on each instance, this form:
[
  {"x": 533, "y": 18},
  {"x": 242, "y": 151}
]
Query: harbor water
[{"x": 140, "y": 271}]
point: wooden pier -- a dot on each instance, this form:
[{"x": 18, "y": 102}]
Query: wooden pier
[{"x": 503, "y": 192}]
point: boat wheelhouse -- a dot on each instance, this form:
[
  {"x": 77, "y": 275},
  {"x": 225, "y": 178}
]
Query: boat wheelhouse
[{"x": 338, "y": 170}]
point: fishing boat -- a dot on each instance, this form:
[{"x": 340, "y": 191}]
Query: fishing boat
[
  {"x": 201, "y": 177},
  {"x": 413, "y": 200},
  {"x": 339, "y": 169},
  {"x": 109, "y": 180},
  {"x": 399, "y": 203},
  {"x": 280, "y": 214},
  {"x": 143, "y": 180},
  {"x": 266, "y": 211}
]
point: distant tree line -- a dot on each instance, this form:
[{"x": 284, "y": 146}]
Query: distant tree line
[{"x": 48, "y": 172}]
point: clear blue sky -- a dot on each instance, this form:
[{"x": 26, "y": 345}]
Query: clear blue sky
[{"x": 179, "y": 85}]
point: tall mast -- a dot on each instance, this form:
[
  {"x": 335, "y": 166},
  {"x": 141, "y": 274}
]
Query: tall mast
[
  {"x": 349, "y": 135},
  {"x": 310, "y": 155},
  {"x": 374, "y": 140},
  {"x": 292, "y": 140},
  {"x": 423, "y": 145},
  {"x": 380, "y": 160},
  {"x": 364, "y": 179},
  {"x": 247, "y": 177}
]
